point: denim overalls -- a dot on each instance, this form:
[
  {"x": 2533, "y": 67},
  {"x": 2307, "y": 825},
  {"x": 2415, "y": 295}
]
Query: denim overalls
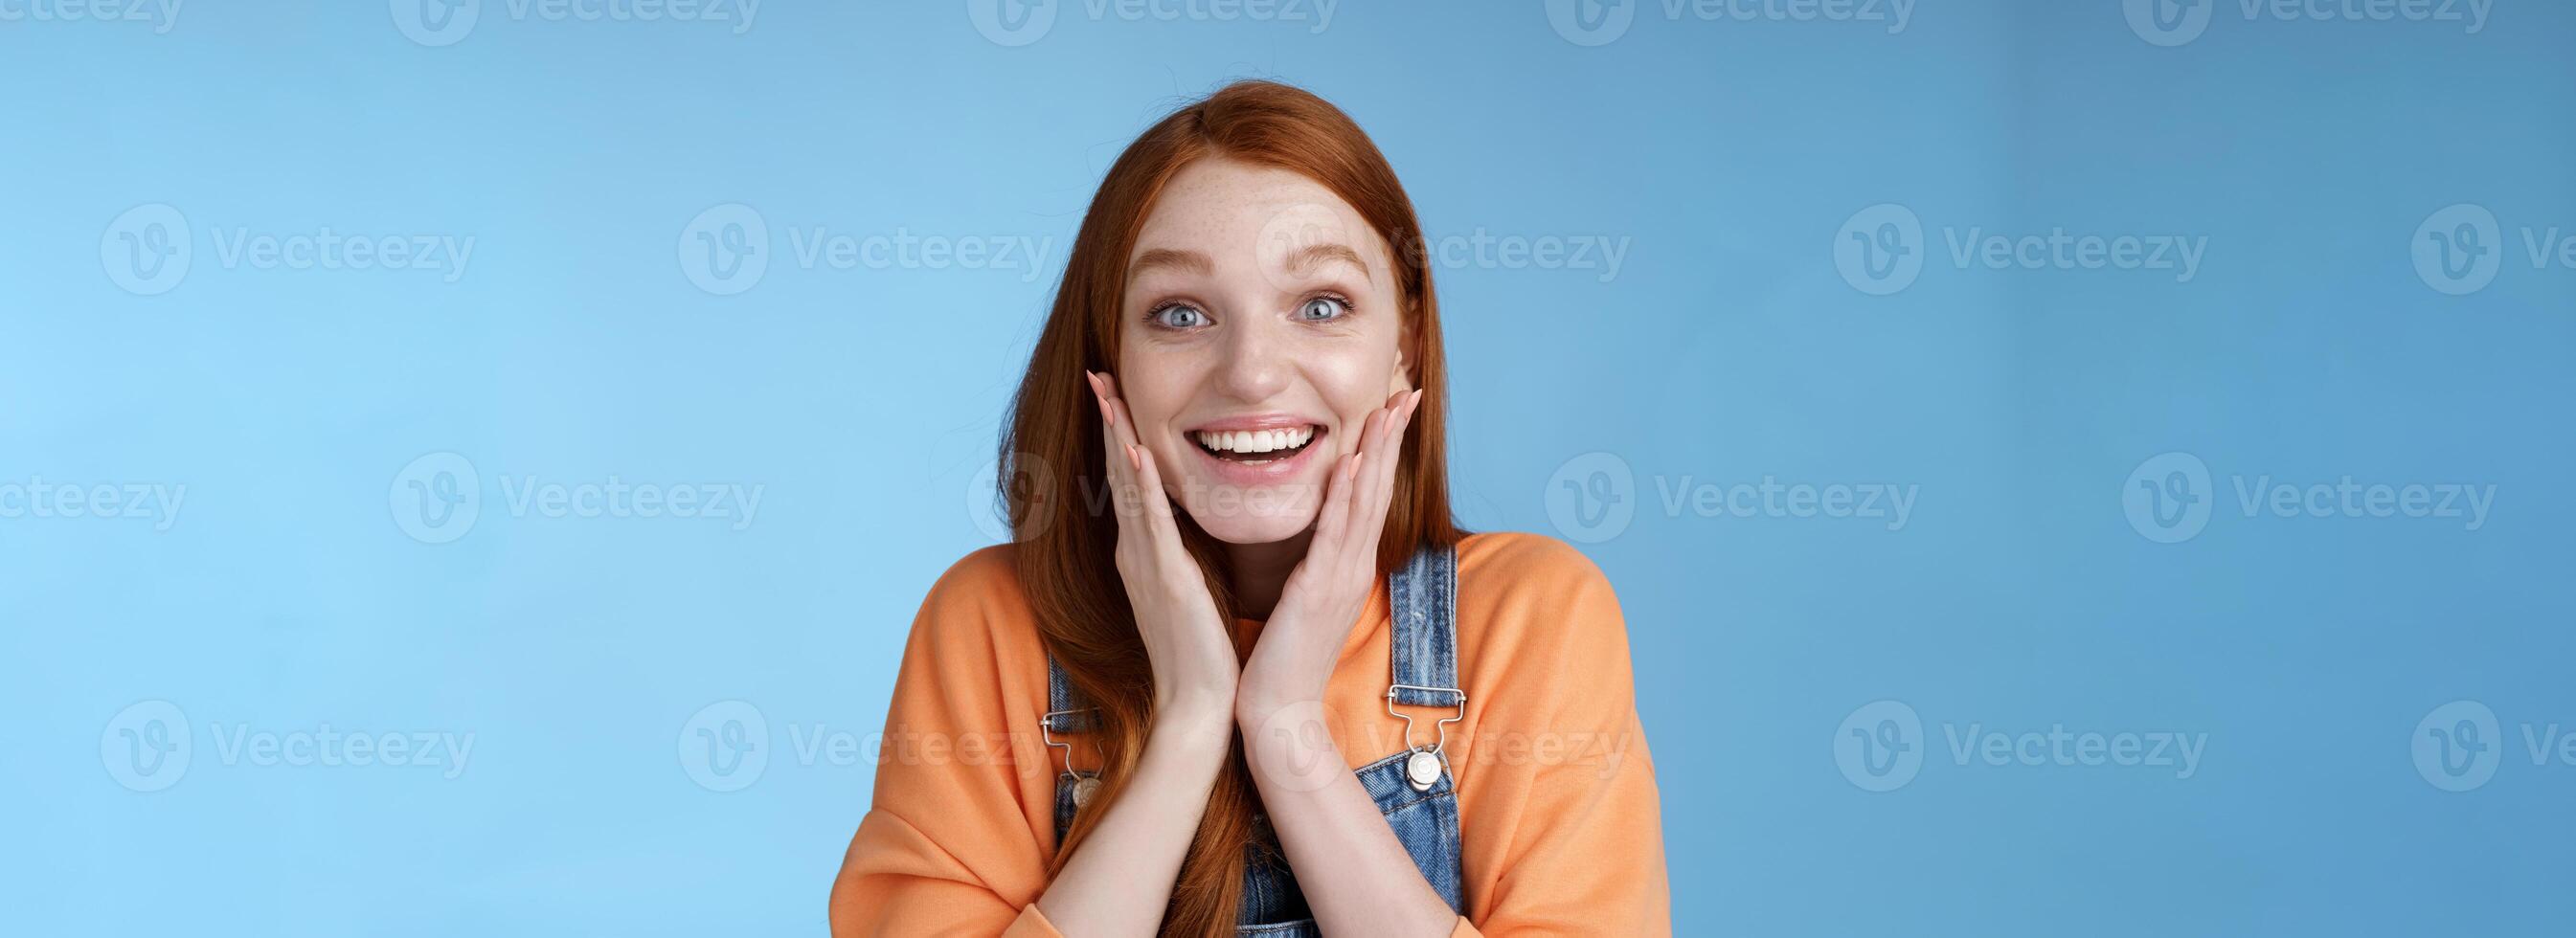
[{"x": 1412, "y": 788}]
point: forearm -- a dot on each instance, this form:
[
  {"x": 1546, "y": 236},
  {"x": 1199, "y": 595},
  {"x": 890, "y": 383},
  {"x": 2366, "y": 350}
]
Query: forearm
[
  {"x": 1120, "y": 879},
  {"x": 1356, "y": 876}
]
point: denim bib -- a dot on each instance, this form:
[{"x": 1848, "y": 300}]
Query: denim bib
[{"x": 1413, "y": 788}]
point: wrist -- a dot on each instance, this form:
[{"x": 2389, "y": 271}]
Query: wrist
[
  {"x": 1259, "y": 701},
  {"x": 1188, "y": 718}
]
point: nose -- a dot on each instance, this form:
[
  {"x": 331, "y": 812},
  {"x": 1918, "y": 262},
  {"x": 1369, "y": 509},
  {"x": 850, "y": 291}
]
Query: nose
[{"x": 1257, "y": 360}]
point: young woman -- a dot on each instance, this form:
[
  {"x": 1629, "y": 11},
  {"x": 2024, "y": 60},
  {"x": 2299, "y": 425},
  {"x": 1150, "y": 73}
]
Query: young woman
[{"x": 1237, "y": 634}]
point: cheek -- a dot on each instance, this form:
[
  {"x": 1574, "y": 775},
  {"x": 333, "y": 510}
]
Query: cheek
[
  {"x": 1355, "y": 384},
  {"x": 1156, "y": 385}
]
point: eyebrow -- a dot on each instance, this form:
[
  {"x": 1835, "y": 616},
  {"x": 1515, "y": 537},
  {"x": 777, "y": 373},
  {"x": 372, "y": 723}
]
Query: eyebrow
[
  {"x": 1192, "y": 261},
  {"x": 1316, "y": 255},
  {"x": 1303, "y": 260}
]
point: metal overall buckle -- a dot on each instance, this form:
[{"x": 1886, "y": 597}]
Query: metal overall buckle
[
  {"x": 1084, "y": 783},
  {"x": 1423, "y": 768}
]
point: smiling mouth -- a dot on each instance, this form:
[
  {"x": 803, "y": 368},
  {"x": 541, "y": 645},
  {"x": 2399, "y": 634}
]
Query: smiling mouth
[{"x": 1257, "y": 447}]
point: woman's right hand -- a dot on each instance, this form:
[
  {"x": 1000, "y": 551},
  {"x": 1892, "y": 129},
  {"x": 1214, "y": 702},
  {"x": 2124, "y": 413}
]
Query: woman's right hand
[{"x": 1186, "y": 639}]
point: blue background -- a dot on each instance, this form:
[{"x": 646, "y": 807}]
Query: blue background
[{"x": 2019, "y": 595}]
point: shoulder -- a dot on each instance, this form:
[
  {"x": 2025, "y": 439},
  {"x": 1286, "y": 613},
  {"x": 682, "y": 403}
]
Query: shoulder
[
  {"x": 977, "y": 602},
  {"x": 982, "y": 577},
  {"x": 1537, "y": 616},
  {"x": 1533, "y": 592},
  {"x": 1522, "y": 564}
]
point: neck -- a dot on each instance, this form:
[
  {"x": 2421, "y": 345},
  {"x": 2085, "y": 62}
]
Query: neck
[{"x": 1261, "y": 572}]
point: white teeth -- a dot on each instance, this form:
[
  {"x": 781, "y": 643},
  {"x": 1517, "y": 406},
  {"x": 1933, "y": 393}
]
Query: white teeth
[{"x": 1256, "y": 441}]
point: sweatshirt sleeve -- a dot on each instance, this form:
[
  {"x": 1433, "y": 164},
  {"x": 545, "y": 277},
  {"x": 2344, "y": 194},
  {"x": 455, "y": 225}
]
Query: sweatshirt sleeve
[
  {"x": 951, "y": 841},
  {"x": 1568, "y": 813}
]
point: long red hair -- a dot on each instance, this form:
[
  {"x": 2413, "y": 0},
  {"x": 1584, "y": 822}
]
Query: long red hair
[{"x": 1055, "y": 486}]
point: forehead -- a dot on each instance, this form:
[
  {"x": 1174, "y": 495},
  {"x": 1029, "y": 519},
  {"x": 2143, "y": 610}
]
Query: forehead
[{"x": 1240, "y": 213}]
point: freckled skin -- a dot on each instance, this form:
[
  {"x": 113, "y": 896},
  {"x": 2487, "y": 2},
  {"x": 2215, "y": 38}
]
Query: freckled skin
[{"x": 1254, "y": 346}]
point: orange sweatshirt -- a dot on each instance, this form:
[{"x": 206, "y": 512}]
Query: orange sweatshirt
[{"x": 1557, "y": 804}]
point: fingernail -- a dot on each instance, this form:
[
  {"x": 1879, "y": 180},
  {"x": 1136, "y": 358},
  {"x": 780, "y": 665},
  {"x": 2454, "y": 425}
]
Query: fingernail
[{"x": 1132, "y": 461}]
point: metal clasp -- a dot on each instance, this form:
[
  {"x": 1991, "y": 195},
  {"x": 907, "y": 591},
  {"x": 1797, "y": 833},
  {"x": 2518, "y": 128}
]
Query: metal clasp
[
  {"x": 1440, "y": 729},
  {"x": 1425, "y": 766},
  {"x": 1046, "y": 730}
]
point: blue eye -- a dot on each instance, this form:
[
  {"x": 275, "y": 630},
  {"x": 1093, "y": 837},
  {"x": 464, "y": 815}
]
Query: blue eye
[
  {"x": 1177, "y": 316},
  {"x": 1322, "y": 308}
]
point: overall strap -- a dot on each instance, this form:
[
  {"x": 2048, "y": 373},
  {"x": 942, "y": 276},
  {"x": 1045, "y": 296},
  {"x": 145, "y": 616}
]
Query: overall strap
[
  {"x": 1422, "y": 608},
  {"x": 1067, "y": 710}
]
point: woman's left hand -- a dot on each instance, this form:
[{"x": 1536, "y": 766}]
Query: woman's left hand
[{"x": 1322, "y": 600}]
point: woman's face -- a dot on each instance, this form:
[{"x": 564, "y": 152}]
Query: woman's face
[{"x": 1259, "y": 328}]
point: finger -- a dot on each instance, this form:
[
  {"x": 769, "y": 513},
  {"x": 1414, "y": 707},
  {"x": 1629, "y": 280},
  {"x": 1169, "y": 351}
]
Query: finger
[
  {"x": 1369, "y": 522},
  {"x": 1332, "y": 520},
  {"x": 1117, "y": 467},
  {"x": 1363, "y": 461},
  {"x": 1149, "y": 483},
  {"x": 1125, "y": 420}
]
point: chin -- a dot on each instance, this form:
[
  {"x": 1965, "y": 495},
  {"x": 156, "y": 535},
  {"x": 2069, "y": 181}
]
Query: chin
[{"x": 1250, "y": 515}]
